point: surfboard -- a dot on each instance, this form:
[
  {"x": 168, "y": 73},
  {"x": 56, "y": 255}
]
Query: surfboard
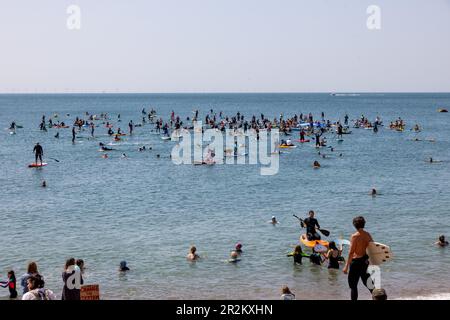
[
  {"x": 287, "y": 147},
  {"x": 37, "y": 165},
  {"x": 378, "y": 253},
  {"x": 166, "y": 138},
  {"x": 340, "y": 243},
  {"x": 302, "y": 141}
]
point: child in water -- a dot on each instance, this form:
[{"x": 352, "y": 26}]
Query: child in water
[
  {"x": 297, "y": 254},
  {"x": 11, "y": 284}
]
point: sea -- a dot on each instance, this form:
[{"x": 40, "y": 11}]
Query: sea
[{"x": 148, "y": 211}]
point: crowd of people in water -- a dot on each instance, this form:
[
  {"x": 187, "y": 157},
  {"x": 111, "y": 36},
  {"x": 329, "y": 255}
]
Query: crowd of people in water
[
  {"x": 355, "y": 266},
  {"x": 308, "y": 129}
]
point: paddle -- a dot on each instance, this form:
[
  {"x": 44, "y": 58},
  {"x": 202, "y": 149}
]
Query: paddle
[
  {"x": 326, "y": 233},
  {"x": 54, "y": 159}
]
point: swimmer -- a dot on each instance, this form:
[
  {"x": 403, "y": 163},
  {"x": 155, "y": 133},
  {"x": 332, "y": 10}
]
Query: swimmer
[
  {"x": 193, "y": 256},
  {"x": 442, "y": 242},
  {"x": 44, "y": 184},
  {"x": 57, "y": 135},
  {"x": 374, "y": 192},
  {"x": 316, "y": 165},
  {"x": 105, "y": 156},
  {"x": 234, "y": 257},
  {"x": 274, "y": 220},
  {"x": 158, "y": 156},
  {"x": 238, "y": 248},
  {"x": 123, "y": 266},
  {"x": 124, "y": 155}
]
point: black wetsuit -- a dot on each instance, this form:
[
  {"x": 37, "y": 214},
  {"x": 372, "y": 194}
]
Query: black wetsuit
[
  {"x": 38, "y": 152},
  {"x": 311, "y": 224},
  {"x": 358, "y": 269}
]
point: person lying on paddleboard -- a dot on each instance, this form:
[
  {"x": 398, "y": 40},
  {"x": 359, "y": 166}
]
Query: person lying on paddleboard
[
  {"x": 358, "y": 260},
  {"x": 311, "y": 223},
  {"x": 442, "y": 242}
]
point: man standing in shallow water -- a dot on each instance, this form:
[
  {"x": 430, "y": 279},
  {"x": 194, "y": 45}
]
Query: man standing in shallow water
[{"x": 358, "y": 260}]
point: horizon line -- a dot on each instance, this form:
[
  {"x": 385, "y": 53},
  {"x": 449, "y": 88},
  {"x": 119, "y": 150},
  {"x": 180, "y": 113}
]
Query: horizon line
[{"x": 232, "y": 92}]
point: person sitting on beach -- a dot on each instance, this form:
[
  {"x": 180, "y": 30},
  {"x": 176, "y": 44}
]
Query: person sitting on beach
[
  {"x": 379, "y": 294},
  {"x": 333, "y": 255},
  {"x": 32, "y": 270},
  {"x": 442, "y": 242},
  {"x": 193, "y": 256},
  {"x": 286, "y": 294},
  {"x": 36, "y": 290},
  {"x": 316, "y": 164},
  {"x": 123, "y": 266}
]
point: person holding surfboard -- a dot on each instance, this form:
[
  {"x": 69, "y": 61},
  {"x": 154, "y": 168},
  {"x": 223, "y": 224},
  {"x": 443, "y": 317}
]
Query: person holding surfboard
[
  {"x": 358, "y": 260},
  {"x": 38, "y": 153}
]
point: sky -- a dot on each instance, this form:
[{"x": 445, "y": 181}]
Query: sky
[{"x": 166, "y": 46}]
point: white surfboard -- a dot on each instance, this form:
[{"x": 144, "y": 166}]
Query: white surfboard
[{"x": 378, "y": 253}]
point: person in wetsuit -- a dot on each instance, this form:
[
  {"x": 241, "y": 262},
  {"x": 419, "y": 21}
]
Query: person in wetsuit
[
  {"x": 311, "y": 223},
  {"x": 317, "y": 135},
  {"x": 38, "y": 152},
  {"x": 358, "y": 260},
  {"x": 302, "y": 135},
  {"x": 73, "y": 135}
]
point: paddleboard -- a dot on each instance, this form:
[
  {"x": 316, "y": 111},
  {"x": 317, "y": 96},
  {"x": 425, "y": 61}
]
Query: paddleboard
[
  {"x": 378, "y": 253},
  {"x": 302, "y": 141},
  {"x": 311, "y": 244},
  {"x": 166, "y": 138},
  {"x": 37, "y": 165},
  {"x": 339, "y": 140},
  {"x": 287, "y": 147}
]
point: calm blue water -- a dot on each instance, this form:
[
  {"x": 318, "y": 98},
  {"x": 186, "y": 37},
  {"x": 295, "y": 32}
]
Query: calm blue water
[{"x": 149, "y": 211}]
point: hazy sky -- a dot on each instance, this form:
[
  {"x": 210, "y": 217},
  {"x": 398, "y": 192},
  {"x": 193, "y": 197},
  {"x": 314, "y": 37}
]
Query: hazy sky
[{"x": 224, "y": 46}]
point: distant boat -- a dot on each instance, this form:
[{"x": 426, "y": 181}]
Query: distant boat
[{"x": 345, "y": 94}]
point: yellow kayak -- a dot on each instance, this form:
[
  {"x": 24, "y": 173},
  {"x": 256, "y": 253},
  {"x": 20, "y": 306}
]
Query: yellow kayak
[{"x": 313, "y": 243}]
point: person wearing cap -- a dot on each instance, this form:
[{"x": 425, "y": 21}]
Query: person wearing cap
[
  {"x": 238, "y": 248},
  {"x": 379, "y": 294},
  {"x": 123, "y": 266}
]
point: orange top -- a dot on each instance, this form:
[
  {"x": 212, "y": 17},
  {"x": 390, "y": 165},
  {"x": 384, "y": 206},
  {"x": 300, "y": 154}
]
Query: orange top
[{"x": 358, "y": 243}]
